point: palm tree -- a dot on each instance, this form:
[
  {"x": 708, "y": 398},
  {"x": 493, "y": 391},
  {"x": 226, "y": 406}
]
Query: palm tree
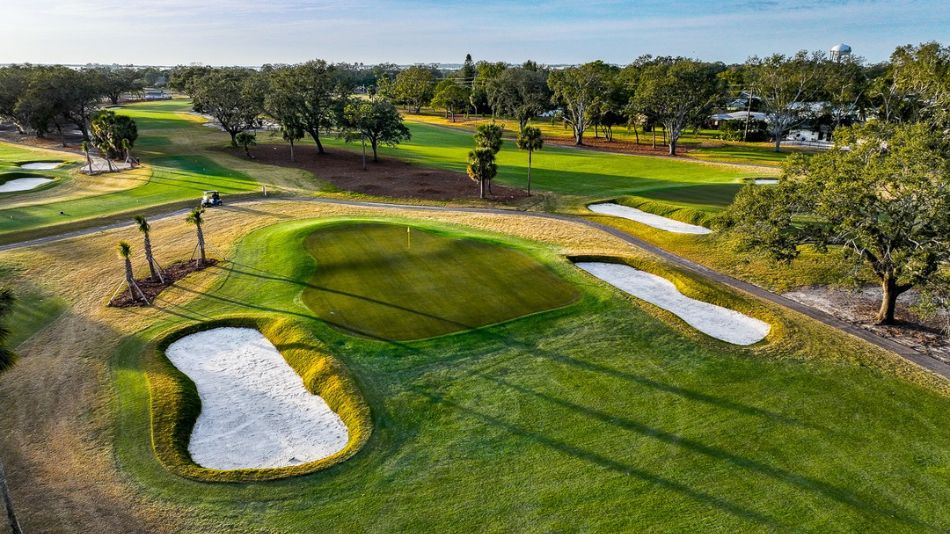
[
  {"x": 530, "y": 140},
  {"x": 481, "y": 167},
  {"x": 85, "y": 149},
  {"x": 125, "y": 252},
  {"x": 127, "y": 148},
  {"x": 153, "y": 266},
  {"x": 6, "y": 306},
  {"x": 196, "y": 218}
]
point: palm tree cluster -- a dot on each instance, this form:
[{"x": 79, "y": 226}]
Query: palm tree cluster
[{"x": 156, "y": 273}]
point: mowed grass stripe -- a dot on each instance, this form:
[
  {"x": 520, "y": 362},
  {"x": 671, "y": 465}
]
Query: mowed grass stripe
[{"x": 381, "y": 281}]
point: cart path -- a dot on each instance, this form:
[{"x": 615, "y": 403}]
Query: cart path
[{"x": 922, "y": 360}]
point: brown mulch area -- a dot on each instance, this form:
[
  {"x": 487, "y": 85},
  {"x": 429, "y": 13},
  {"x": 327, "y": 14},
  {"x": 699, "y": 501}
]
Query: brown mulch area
[
  {"x": 152, "y": 288},
  {"x": 389, "y": 177},
  {"x": 859, "y": 307}
]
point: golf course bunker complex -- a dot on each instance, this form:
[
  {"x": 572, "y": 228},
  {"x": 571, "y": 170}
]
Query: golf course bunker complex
[
  {"x": 649, "y": 219},
  {"x": 395, "y": 282},
  {"x": 22, "y": 183},
  {"x": 715, "y": 321},
  {"x": 40, "y": 165},
  {"x": 255, "y": 410}
]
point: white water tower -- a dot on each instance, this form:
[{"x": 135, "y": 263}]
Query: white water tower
[{"x": 840, "y": 51}]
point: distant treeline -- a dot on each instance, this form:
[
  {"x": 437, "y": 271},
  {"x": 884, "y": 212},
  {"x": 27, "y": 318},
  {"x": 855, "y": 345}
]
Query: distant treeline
[{"x": 672, "y": 94}]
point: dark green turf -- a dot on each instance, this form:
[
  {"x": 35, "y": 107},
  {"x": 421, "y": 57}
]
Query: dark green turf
[{"x": 399, "y": 282}]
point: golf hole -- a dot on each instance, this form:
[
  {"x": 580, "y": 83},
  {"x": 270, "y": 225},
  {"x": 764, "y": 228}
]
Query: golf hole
[
  {"x": 649, "y": 219},
  {"x": 255, "y": 410},
  {"x": 715, "y": 321}
]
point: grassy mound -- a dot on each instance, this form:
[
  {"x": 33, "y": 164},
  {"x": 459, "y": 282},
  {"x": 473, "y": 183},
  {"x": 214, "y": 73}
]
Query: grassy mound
[
  {"x": 391, "y": 282},
  {"x": 175, "y": 405}
]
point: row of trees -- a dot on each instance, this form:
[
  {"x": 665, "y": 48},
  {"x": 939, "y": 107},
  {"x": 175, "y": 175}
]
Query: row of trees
[
  {"x": 48, "y": 99},
  {"x": 675, "y": 93}
]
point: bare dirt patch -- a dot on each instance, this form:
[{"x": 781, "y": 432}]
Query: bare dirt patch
[
  {"x": 622, "y": 147},
  {"x": 388, "y": 177},
  {"x": 859, "y": 307},
  {"x": 152, "y": 287}
]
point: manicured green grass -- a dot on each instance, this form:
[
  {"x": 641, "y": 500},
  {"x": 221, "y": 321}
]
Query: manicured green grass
[
  {"x": 604, "y": 416},
  {"x": 400, "y": 282},
  {"x": 747, "y": 153},
  {"x": 566, "y": 171},
  {"x": 173, "y": 179}
]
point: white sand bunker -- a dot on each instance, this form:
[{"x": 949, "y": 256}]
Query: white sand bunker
[
  {"x": 41, "y": 165},
  {"x": 649, "y": 219},
  {"x": 255, "y": 410},
  {"x": 765, "y": 181},
  {"x": 23, "y": 184},
  {"x": 716, "y": 321}
]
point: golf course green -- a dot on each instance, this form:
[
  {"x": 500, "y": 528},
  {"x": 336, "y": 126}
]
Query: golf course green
[{"x": 408, "y": 282}]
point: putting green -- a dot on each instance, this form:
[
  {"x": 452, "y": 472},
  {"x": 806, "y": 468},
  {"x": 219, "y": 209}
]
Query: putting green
[{"x": 383, "y": 281}]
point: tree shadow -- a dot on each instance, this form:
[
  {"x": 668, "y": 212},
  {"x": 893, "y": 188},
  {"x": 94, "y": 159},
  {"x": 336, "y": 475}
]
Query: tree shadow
[{"x": 862, "y": 503}]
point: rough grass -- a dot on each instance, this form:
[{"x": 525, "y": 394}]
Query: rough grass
[
  {"x": 174, "y": 403},
  {"x": 400, "y": 282}
]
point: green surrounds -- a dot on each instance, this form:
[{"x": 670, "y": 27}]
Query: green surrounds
[
  {"x": 409, "y": 282},
  {"x": 175, "y": 405},
  {"x": 594, "y": 417},
  {"x": 12, "y": 156}
]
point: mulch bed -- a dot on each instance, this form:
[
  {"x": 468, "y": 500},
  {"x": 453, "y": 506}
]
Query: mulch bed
[
  {"x": 389, "y": 177},
  {"x": 152, "y": 288}
]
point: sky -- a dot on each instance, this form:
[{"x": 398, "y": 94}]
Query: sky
[{"x": 239, "y": 32}]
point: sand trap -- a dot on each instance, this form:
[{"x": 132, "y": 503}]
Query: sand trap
[
  {"x": 23, "y": 184},
  {"x": 255, "y": 410},
  {"x": 716, "y": 321},
  {"x": 41, "y": 165},
  {"x": 649, "y": 219},
  {"x": 765, "y": 181}
]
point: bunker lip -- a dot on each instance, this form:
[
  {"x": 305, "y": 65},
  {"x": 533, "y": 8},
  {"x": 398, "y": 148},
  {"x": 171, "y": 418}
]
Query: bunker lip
[
  {"x": 649, "y": 219},
  {"x": 40, "y": 165},
  {"x": 256, "y": 412},
  {"x": 23, "y": 183},
  {"x": 715, "y": 321}
]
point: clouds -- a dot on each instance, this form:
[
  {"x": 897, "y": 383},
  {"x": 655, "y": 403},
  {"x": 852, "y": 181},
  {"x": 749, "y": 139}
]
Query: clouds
[{"x": 407, "y": 31}]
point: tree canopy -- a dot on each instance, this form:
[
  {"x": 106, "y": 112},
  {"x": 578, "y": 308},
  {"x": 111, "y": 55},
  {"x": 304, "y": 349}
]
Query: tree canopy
[{"x": 881, "y": 194}]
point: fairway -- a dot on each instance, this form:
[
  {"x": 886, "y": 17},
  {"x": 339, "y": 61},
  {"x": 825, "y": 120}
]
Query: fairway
[{"x": 398, "y": 282}]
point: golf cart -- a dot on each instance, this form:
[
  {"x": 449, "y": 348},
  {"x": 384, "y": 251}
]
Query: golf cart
[{"x": 211, "y": 198}]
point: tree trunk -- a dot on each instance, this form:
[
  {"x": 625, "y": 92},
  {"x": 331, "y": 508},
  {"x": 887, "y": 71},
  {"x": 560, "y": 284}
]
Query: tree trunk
[
  {"x": 375, "y": 145},
  {"x": 672, "y": 146},
  {"x": 233, "y": 138},
  {"x": 654, "y": 137},
  {"x": 320, "y": 149},
  {"x": 151, "y": 259},
  {"x": 890, "y": 291},
  {"x": 778, "y": 143},
  {"x": 481, "y": 188},
  {"x": 201, "y": 248},
  {"x": 529, "y": 172},
  {"x": 636, "y": 134},
  {"x": 363, "y": 143},
  {"x": 292, "y": 150}
]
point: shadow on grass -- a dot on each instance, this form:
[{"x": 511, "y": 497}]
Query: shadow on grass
[{"x": 862, "y": 503}]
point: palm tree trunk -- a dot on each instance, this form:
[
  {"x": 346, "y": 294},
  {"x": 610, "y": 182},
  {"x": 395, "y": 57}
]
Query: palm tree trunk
[
  {"x": 201, "y": 247},
  {"x": 153, "y": 268},
  {"x": 529, "y": 172}
]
